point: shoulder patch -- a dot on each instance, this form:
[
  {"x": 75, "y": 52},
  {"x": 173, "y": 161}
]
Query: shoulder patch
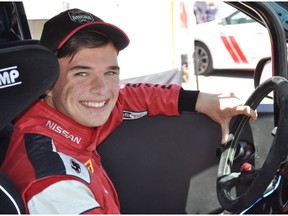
[
  {"x": 75, "y": 168},
  {"x": 48, "y": 162}
]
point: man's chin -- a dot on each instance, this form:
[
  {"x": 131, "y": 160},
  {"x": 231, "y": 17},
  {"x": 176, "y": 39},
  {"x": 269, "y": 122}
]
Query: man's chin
[{"x": 95, "y": 123}]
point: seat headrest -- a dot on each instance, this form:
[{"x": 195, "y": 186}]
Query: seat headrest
[
  {"x": 26, "y": 72},
  {"x": 18, "y": 43}
]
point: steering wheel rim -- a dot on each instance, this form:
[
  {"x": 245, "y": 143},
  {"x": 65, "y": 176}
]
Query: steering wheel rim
[{"x": 226, "y": 179}]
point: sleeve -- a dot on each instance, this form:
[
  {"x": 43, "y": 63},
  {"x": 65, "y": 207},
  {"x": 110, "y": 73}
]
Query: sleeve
[
  {"x": 141, "y": 99},
  {"x": 64, "y": 197},
  {"x": 187, "y": 100},
  {"x": 169, "y": 99},
  {"x": 154, "y": 98}
]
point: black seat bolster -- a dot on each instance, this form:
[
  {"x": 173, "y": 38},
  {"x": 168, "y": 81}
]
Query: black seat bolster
[
  {"x": 27, "y": 70},
  {"x": 4, "y": 140},
  {"x": 19, "y": 43},
  {"x": 11, "y": 201}
]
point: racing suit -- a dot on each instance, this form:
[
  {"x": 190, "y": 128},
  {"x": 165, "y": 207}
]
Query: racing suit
[{"x": 54, "y": 162}]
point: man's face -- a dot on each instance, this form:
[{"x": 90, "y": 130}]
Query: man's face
[{"x": 88, "y": 85}]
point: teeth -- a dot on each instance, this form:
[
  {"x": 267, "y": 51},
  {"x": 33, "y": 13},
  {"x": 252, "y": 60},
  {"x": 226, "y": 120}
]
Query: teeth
[{"x": 93, "y": 104}]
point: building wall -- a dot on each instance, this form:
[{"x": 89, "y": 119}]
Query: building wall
[{"x": 36, "y": 27}]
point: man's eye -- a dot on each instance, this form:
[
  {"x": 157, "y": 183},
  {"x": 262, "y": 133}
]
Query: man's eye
[
  {"x": 110, "y": 73},
  {"x": 81, "y": 74}
]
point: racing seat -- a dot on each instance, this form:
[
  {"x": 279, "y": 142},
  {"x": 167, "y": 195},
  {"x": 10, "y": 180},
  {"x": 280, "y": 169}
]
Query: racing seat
[
  {"x": 165, "y": 165},
  {"x": 26, "y": 72}
]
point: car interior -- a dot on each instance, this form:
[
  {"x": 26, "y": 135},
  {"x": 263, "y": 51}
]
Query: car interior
[{"x": 167, "y": 165}]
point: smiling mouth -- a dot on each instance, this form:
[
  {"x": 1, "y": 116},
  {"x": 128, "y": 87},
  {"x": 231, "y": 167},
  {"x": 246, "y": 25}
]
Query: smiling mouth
[{"x": 93, "y": 104}]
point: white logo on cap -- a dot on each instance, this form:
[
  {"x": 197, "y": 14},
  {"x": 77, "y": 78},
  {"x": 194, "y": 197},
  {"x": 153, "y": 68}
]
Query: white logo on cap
[
  {"x": 8, "y": 77},
  {"x": 81, "y": 17}
]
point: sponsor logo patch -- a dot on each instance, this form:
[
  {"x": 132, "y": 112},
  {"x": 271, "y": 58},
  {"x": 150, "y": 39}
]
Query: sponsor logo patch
[
  {"x": 60, "y": 130},
  {"x": 8, "y": 77},
  {"x": 74, "y": 168},
  {"x": 129, "y": 115},
  {"x": 79, "y": 16},
  {"x": 89, "y": 165}
]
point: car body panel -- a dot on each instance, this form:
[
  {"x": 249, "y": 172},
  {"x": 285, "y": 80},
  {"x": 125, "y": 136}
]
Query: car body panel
[{"x": 235, "y": 42}]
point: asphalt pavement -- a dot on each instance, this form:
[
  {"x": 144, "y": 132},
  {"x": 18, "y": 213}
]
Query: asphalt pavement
[{"x": 241, "y": 83}]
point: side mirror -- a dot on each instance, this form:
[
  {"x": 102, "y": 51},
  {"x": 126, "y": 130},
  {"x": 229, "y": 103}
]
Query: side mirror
[{"x": 223, "y": 21}]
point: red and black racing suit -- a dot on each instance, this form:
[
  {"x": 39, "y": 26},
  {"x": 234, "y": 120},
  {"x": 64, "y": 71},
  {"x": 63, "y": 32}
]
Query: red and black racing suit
[{"x": 53, "y": 160}]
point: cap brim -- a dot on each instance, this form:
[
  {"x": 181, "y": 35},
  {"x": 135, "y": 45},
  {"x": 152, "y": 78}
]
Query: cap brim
[{"x": 119, "y": 37}]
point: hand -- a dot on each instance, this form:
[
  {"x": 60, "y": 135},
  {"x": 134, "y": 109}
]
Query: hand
[{"x": 221, "y": 108}]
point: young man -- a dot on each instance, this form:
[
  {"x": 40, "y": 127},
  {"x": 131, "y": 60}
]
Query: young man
[{"x": 52, "y": 157}]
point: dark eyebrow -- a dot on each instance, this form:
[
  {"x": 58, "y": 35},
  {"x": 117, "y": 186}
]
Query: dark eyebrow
[
  {"x": 114, "y": 67},
  {"x": 79, "y": 67}
]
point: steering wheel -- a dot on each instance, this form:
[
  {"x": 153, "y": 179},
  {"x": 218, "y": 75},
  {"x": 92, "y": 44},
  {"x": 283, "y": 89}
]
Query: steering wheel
[{"x": 260, "y": 180}]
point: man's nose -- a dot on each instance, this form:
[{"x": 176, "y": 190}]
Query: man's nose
[{"x": 99, "y": 86}]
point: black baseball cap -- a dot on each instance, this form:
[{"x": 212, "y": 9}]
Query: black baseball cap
[{"x": 63, "y": 26}]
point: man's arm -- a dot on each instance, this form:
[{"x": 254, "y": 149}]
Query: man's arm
[
  {"x": 219, "y": 107},
  {"x": 64, "y": 197}
]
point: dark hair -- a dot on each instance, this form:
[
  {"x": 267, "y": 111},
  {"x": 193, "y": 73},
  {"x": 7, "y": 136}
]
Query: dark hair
[{"x": 87, "y": 39}]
